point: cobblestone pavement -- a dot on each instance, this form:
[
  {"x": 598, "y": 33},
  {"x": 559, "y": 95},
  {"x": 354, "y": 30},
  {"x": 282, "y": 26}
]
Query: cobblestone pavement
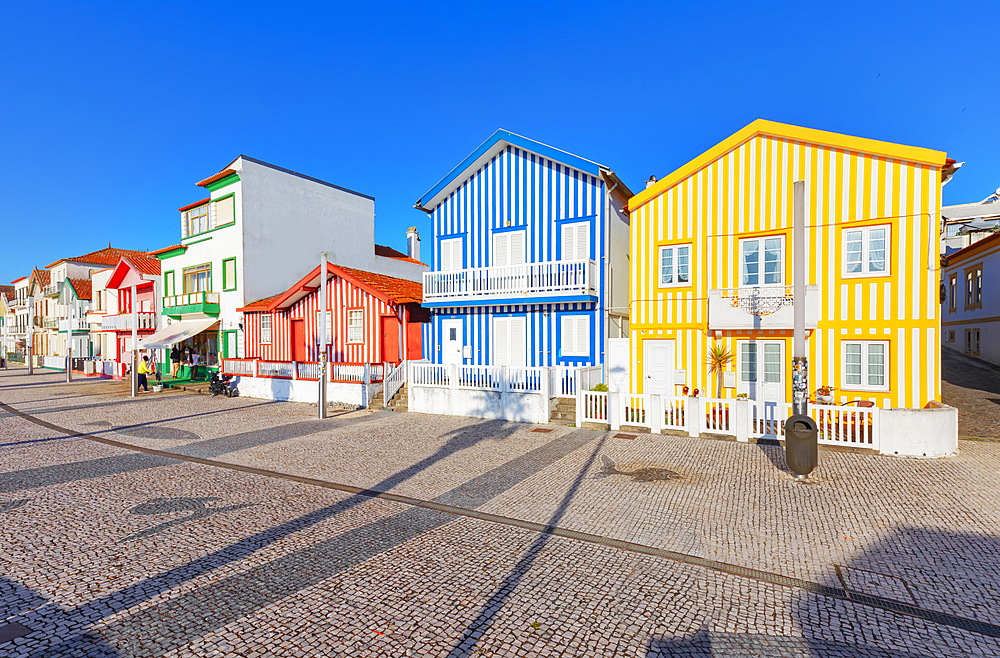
[
  {"x": 973, "y": 386},
  {"x": 107, "y": 551}
]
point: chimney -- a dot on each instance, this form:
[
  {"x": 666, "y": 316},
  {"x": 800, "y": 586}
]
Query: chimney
[
  {"x": 413, "y": 243},
  {"x": 651, "y": 181}
]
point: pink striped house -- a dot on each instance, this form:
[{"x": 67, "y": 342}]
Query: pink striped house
[{"x": 372, "y": 318}]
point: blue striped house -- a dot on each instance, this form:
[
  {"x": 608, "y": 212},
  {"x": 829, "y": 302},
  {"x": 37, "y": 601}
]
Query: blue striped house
[{"x": 530, "y": 258}]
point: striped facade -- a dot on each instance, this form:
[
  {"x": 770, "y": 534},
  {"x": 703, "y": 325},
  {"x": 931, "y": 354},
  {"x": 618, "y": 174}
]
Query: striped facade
[
  {"x": 342, "y": 296},
  {"x": 519, "y": 186},
  {"x": 742, "y": 188}
]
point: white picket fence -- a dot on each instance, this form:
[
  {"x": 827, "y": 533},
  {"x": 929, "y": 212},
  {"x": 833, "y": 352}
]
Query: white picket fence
[
  {"x": 567, "y": 381},
  {"x": 744, "y": 419},
  {"x": 393, "y": 382}
]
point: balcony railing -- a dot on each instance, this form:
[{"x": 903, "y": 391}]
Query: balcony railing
[
  {"x": 123, "y": 322},
  {"x": 766, "y": 307},
  {"x": 48, "y": 323},
  {"x": 561, "y": 277},
  {"x": 52, "y": 289},
  {"x": 77, "y": 324},
  {"x": 202, "y": 303}
]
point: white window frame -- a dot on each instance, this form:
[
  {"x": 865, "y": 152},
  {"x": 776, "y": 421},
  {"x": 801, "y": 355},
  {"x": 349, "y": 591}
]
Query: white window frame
[
  {"x": 574, "y": 230},
  {"x": 329, "y": 326},
  {"x": 449, "y": 266},
  {"x": 865, "y": 231},
  {"x": 355, "y": 325},
  {"x": 570, "y": 324},
  {"x": 675, "y": 250},
  {"x": 510, "y": 255},
  {"x": 265, "y": 331},
  {"x": 761, "y": 241},
  {"x": 864, "y": 385}
]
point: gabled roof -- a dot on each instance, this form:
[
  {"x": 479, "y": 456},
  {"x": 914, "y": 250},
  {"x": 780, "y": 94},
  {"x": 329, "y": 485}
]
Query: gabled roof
[
  {"x": 389, "y": 252},
  {"x": 193, "y": 205},
  {"x": 81, "y": 287},
  {"x": 41, "y": 277},
  {"x": 796, "y": 133},
  {"x": 387, "y": 288},
  {"x": 230, "y": 169},
  {"x": 21, "y": 279},
  {"x": 106, "y": 256},
  {"x": 146, "y": 267},
  {"x": 7, "y": 290},
  {"x": 172, "y": 247},
  {"x": 497, "y": 142}
]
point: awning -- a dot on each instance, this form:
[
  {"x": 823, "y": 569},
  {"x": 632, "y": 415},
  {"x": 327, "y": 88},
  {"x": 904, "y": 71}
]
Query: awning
[{"x": 175, "y": 333}]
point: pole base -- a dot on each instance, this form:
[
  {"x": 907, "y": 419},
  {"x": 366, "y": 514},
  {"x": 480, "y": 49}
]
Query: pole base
[{"x": 801, "y": 478}]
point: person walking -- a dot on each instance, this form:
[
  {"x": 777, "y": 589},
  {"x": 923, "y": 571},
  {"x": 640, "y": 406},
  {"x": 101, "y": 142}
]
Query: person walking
[
  {"x": 144, "y": 370},
  {"x": 175, "y": 360}
]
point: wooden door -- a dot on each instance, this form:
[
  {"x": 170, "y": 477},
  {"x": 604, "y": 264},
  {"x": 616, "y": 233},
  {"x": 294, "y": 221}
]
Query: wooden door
[
  {"x": 414, "y": 341},
  {"x": 298, "y": 340},
  {"x": 390, "y": 339}
]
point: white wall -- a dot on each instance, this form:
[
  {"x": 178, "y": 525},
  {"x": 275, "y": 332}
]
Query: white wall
[
  {"x": 298, "y": 390},
  {"x": 516, "y": 407},
  {"x": 931, "y": 432}
]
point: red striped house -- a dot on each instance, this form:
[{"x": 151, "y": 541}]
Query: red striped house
[{"x": 367, "y": 316}]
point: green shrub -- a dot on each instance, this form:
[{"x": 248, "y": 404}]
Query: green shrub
[{"x": 600, "y": 387}]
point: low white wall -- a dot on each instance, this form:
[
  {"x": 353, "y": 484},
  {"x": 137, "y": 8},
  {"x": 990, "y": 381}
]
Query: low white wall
[
  {"x": 931, "y": 432},
  {"x": 301, "y": 390},
  {"x": 517, "y": 407}
]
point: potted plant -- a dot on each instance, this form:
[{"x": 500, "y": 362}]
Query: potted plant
[
  {"x": 824, "y": 394},
  {"x": 718, "y": 358}
]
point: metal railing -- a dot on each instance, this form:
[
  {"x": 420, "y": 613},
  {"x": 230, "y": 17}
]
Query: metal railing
[
  {"x": 123, "y": 321},
  {"x": 550, "y": 277}
]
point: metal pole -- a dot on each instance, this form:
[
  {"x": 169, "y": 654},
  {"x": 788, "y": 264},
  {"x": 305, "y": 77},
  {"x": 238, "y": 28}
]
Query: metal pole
[
  {"x": 31, "y": 332},
  {"x": 69, "y": 346},
  {"x": 135, "y": 339},
  {"x": 800, "y": 366},
  {"x": 322, "y": 336}
]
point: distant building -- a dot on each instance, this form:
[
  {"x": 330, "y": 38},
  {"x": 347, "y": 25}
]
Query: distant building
[
  {"x": 967, "y": 223},
  {"x": 970, "y": 313}
]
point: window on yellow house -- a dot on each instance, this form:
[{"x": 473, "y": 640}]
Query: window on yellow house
[
  {"x": 675, "y": 265},
  {"x": 761, "y": 260},
  {"x": 866, "y": 251},
  {"x": 865, "y": 365}
]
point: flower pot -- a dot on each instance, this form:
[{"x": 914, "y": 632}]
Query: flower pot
[{"x": 825, "y": 399}]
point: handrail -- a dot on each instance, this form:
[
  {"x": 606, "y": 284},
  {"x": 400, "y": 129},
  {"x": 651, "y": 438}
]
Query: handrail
[
  {"x": 393, "y": 382},
  {"x": 560, "y": 276}
]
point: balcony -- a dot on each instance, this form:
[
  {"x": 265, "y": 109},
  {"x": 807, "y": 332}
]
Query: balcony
[
  {"x": 52, "y": 290},
  {"x": 764, "y": 307},
  {"x": 77, "y": 324},
  {"x": 204, "y": 304},
  {"x": 123, "y": 322},
  {"x": 561, "y": 281},
  {"x": 48, "y": 323},
  {"x": 17, "y": 304}
]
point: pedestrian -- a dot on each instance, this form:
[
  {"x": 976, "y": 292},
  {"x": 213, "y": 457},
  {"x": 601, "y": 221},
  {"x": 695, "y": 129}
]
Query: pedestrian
[
  {"x": 144, "y": 370},
  {"x": 195, "y": 360},
  {"x": 175, "y": 360}
]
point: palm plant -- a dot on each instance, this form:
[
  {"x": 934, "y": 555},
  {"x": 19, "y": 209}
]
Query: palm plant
[{"x": 718, "y": 358}]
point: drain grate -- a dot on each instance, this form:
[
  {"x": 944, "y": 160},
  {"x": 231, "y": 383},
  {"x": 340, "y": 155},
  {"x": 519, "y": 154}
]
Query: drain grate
[
  {"x": 620, "y": 435},
  {"x": 862, "y": 581},
  {"x": 543, "y": 430}
]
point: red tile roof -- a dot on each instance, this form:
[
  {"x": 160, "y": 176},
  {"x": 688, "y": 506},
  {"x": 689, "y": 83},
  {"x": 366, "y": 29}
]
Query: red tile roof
[
  {"x": 8, "y": 290},
  {"x": 212, "y": 179},
  {"x": 194, "y": 205},
  {"x": 106, "y": 256},
  {"x": 399, "y": 291},
  {"x": 166, "y": 249},
  {"x": 145, "y": 265},
  {"x": 21, "y": 279},
  {"x": 82, "y": 288},
  {"x": 261, "y": 304},
  {"x": 389, "y": 252},
  {"x": 44, "y": 277}
]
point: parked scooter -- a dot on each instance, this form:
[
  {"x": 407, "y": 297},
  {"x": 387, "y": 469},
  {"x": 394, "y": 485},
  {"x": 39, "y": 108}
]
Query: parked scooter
[{"x": 221, "y": 384}]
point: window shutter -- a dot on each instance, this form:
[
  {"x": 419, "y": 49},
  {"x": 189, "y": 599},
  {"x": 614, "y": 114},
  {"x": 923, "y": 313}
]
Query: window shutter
[
  {"x": 568, "y": 335},
  {"x": 456, "y": 254},
  {"x": 225, "y": 212},
  {"x": 501, "y": 246},
  {"x": 501, "y": 352},
  {"x": 518, "y": 349},
  {"x": 184, "y": 225},
  {"x": 568, "y": 247},
  {"x": 583, "y": 241},
  {"x": 516, "y": 243},
  {"x": 582, "y": 335},
  {"x": 444, "y": 259}
]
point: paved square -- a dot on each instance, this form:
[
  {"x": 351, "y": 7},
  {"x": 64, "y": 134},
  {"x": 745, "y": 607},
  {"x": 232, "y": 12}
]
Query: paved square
[{"x": 493, "y": 540}]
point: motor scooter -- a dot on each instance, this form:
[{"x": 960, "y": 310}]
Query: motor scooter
[{"x": 220, "y": 384}]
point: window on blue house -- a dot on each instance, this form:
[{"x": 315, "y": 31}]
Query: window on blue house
[
  {"x": 576, "y": 241},
  {"x": 575, "y": 335}
]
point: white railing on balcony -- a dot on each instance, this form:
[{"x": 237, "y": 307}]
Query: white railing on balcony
[
  {"x": 50, "y": 323},
  {"x": 76, "y": 324},
  {"x": 52, "y": 289},
  {"x": 759, "y": 307},
  {"x": 123, "y": 322},
  {"x": 547, "y": 278},
  {"x": 190, "y": 299}
]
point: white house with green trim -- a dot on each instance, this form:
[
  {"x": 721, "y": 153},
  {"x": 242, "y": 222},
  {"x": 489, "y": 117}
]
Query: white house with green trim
[{"x": 261, "y": 228}]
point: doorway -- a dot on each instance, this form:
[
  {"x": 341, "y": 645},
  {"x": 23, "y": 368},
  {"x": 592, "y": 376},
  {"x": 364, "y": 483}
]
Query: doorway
[
  {"x": 390, "y": 338},
  {"x": 658, "y": 358},
  {"x": 298, "y": 337},
  {"x": 452, "y": 341},
  {"x": 761, "y": 365}
]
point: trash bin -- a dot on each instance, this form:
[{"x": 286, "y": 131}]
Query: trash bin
[{"x": 801, "y": 447}]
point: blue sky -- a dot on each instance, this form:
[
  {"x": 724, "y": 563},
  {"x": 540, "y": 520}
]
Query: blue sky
[{"x": 111, "y": 113}]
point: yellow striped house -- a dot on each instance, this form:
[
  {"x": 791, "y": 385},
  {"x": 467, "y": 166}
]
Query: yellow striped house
[{"x": 719, "y": 229}]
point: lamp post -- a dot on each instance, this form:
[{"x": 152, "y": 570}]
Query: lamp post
[
  {"x": 135, "y": 339},
  {"x": 31, "y": 332},
  {"x": 69, "y": 346},
  {"x": 322, "y": 336}
]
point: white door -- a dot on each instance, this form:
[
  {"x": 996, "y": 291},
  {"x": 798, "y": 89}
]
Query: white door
[
  {"x": 452, "y": 341},
  {"x": 618, "y": 364},
  {"x": 762, "y": 377},
  {"x": 658, "y": 366},
  {"x": 510, "y": 342}
]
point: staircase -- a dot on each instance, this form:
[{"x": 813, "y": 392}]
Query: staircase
[
  {"x": 397, "y": 403},
  {"x": 563, "y": 411}
]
